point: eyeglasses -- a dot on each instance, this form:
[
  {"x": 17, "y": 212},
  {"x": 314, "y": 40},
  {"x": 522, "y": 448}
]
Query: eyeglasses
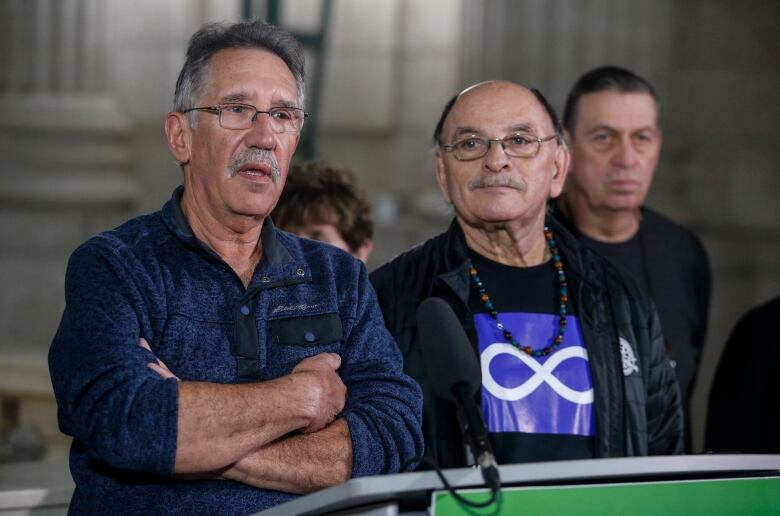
[
  {"x": 242, "y": 116},
  {"x": 516, "y": 146}
]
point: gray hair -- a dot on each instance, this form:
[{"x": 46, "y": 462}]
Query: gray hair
[{"x": 213, "y": 37}]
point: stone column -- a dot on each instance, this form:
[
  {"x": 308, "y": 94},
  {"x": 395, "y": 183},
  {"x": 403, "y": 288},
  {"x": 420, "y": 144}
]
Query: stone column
[{"x": 63, "y": 177}]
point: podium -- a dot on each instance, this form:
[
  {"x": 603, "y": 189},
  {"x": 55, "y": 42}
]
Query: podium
[{"x": 686, "y": 484}]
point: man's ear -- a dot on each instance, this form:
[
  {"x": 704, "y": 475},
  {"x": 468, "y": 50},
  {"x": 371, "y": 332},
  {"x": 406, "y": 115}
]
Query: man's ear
[
  {"x": 179, "y": 136},
  {"x": 560, "y": 170},
  {"x": 441, "y": 177},
  {"x": 364, "y": 250}
]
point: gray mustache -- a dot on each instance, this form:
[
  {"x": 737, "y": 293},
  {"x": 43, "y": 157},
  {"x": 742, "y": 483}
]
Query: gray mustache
[
  {"x": 492, "y": 180},
  {"x": 255, "y": 156}
]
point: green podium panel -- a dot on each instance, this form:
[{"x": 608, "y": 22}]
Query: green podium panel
[{"x": 745, "y": 496}]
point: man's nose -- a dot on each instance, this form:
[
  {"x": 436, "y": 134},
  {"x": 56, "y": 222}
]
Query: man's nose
[
  {"x": 496, "y": 158},
  {"x": 261, "y": 134},
  {"x": 625, "y": 154}
]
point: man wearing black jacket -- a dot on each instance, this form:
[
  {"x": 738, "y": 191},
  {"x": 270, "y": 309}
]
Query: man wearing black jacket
[
  {"x": 611, "y": 125},
  {"x": 572, "y": 356}
]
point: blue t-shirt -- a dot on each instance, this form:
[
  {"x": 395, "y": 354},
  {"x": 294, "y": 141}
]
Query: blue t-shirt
[{"x": 535, "y": 408}]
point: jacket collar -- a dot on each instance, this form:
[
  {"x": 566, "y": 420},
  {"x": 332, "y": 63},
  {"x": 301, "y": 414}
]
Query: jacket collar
[
  {"x": 456, "y": 255},
  {"x": 582, "y": 269},
  {"x": 274, "y": 253},
  {"x": 456, "y": 275}
]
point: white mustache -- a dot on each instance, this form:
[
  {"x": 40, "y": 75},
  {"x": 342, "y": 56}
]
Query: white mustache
[
  {"x": 254, "y": 155},
  {"x": 489, "y": 181}
]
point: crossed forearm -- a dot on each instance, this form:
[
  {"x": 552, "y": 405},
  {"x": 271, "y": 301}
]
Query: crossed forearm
[
  {"x": 218, "y": 425},
  {"x": 298, "y": 463},
  {"x": 244, "y": 432}
]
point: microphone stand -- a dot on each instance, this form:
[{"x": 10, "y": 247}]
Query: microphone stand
[{"x": 473, "y": 429}]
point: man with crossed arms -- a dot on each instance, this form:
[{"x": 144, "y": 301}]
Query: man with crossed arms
[{"x": 264, "y": 369}]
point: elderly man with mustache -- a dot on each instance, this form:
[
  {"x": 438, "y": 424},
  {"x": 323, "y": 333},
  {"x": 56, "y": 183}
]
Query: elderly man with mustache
[
  {"x": 207, "y": 362},
  {"x": 571, "y": 353}
]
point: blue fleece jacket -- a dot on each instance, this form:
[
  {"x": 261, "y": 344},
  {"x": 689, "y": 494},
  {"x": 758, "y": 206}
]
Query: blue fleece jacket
[{"x": 152, "y": 278}]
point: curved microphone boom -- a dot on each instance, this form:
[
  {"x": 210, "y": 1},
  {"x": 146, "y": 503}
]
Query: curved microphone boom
[{"x": 454, "y": 373}]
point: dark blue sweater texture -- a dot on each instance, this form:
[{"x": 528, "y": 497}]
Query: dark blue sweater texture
[{"x": 152, "y": 278}]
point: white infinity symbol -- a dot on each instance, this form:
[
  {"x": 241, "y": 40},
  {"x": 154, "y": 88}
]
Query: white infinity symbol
[{"x": 542, "y": 374}]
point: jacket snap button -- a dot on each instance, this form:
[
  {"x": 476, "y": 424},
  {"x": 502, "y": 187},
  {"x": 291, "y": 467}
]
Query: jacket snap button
[
  {"x": 300, "y": 272},
  {"x": 245, "y": 310},
  {"x": 309, "y": 337},
  {"x": 265, "y": 279}
]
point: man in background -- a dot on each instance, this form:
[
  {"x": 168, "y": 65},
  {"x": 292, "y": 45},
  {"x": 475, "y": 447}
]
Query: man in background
[
  {"x": 322, "y": 201},
  {"x": 612, "y": 128}
]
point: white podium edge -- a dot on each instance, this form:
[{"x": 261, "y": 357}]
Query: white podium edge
[{"x": 375, "y": 489}]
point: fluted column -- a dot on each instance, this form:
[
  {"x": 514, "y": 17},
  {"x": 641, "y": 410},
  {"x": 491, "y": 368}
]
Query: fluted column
[
  {"x": 549, "y": 43},
  {"x": 63, "y": 176}
]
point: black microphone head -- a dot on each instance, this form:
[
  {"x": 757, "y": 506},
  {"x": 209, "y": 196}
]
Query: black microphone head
[{"x": 447, "y": 352}]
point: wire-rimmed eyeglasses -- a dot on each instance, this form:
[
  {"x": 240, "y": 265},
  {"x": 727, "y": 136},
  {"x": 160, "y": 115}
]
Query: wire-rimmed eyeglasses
[
  {"x": 242, "y": 116},
  {"x": 515, "y": 145}
]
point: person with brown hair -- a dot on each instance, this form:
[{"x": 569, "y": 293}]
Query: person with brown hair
[{"x": 322, "y": 201}]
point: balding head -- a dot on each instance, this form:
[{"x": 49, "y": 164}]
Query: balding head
[{"x": 506, "y": 88}]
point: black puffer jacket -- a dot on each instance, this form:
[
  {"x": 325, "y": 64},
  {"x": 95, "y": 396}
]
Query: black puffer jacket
[
  {"x": 637, "y": 402},
  {"x": 677, "y": 273}
]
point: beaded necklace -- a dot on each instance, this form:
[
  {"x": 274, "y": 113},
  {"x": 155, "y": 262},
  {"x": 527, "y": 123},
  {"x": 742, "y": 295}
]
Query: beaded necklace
[{"x": 563, "y": 298}]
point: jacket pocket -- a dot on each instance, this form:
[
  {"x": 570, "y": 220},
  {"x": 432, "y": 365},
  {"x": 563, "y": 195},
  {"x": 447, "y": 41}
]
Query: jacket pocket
[{"x": 307, "y": 331}]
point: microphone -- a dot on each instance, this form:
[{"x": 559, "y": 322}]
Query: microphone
[{"x": 455, "y": 375}]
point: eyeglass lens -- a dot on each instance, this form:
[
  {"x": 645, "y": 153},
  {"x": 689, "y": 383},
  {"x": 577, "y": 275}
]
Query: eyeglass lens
[
  {"x": 239, "y": 116},
  {"x": 516, "y": 145}
]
